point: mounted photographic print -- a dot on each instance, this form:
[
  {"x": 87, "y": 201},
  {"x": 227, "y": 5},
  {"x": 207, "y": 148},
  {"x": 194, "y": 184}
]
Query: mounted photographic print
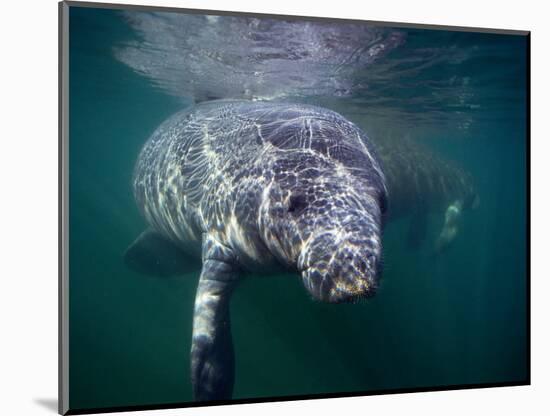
[{"x": 264, "y": 208}]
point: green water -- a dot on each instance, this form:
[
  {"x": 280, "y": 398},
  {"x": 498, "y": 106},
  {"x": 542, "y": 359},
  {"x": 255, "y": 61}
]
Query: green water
[{"x": 459, "y": 318}]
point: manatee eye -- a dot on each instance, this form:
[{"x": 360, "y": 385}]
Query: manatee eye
[{"x": 297, "y": 204}]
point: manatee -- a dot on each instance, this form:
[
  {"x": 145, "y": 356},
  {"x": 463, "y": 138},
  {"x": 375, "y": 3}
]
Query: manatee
[
  {"x": 255, "y": 188},
  {"x": 422, "y": 182}
]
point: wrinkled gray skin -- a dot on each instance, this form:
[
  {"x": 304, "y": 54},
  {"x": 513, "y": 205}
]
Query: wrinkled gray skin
[{"x": 257, "y": 187}]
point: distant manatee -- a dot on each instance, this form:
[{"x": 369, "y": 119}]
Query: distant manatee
[{"x": 421, "y": 182}]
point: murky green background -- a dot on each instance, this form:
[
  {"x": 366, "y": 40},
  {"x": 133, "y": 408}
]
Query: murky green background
[{"x": 454, "y": 319}]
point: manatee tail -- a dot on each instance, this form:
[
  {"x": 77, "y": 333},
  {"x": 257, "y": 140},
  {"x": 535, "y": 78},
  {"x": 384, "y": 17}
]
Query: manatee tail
[{"x": 155, "y": 255}]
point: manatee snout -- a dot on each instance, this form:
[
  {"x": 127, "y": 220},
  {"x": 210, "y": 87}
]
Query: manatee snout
[{"x": 336, "y": 269}]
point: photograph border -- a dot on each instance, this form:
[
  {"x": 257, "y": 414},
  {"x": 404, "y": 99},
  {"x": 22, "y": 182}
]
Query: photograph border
[{"x": 63, "y": 208}]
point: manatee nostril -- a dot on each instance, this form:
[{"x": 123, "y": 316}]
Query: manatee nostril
[{"x": 363, "y": 266}]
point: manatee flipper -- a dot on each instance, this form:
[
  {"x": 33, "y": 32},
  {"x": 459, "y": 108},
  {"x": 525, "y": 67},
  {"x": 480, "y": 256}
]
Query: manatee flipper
[
  {"x": 153, "y": 254},
  {"x": 450, "y": 228},
  {"x": 212, "y": 358},
  {"x": 417, "y": 229}
]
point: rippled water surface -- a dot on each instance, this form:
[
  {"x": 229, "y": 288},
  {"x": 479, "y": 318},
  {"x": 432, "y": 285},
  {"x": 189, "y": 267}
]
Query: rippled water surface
[{"x": 458, "y": 317}]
